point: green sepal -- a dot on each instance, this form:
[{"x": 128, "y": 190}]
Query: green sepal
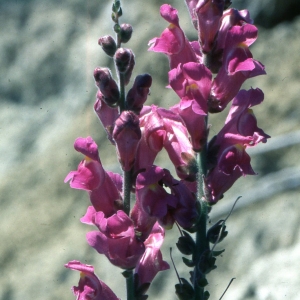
[
  {"x": 127, "y": 273},
  {"x": 202, "y": 282},
  {"x": 184, "y": 290},
  {"x": 120, "y": 12},
  {"x": 141, "y": 291},
  {"x": 116, "y": 6},
  {"x": 217, "y": 253},
  {"x": 206, "y": 295},
  {"x": 188, "y": 262},
  {"x": 113, "y": 17},
  {"x": 186, "y": 244},
  {"x": 117, "y": 28}
]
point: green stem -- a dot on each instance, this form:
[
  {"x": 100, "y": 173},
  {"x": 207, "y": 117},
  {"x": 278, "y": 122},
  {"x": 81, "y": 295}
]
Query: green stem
[
  {"x": 130, "y": 285},
  {"x": 202, "y": 244},
  {"x": 127, "y": 183},
  {"x": 207, "y": 60},
  {"x": 122, "y": 103}
]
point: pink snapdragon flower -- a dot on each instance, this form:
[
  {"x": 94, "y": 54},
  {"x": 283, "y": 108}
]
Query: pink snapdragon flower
[
  {"x": 192, "y": 83},
  {"x": 143, "y": 222},
  {"x": 172, "y": 41},
  {"x": 231, "y": 17},
  {"x": 179, "y": 205},
  {"x": 238, "y": 65},
  {"x": 194, "y": 119},
  {"x": 116, "y": 238},
  {"x": 208, "y": 14},
  {"x": 162, "y": 128},
  {"x": 241, "y": 120},
  {"x": 90, "y": 287},
  {"x": 91, "y": 177},
  {"x": 233, "y": 162},
  {"x": 151, "y": 262},
  {"x": 227, "y": 149}
]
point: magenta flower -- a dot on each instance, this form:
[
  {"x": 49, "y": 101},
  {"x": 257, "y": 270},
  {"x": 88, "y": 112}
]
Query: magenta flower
[
  {"x": 151, "y": 262},
  {"x": 227, "y": 149},
  {"x": 143, "y": 222},
  {"x": 153, "y": 198},
  {"x": 179, "y": 205},
  {"x": 209, "y": 14},
  {"x": 238, "y": 65},
  {"x": 116, "y": 238},
  {"x": 172, "y": 41},
  {"x": 91, "y": 177},
  {"x": 164, "y": 128},
  {"x": 127, "y": 134},
  {"x": 106, "y": 114},
  {"x": 231, "y": 17},
  {"x": 191, "y": 5},
  {"x": 194, "y": 119},
  {"x": 241, "y": 120},
  {"x": 191, "y": 81},
  {"x": 233, "y": 162},
  {"x": 90, "y": 287}
]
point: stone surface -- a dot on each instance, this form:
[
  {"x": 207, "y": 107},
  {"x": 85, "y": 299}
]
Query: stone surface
[{"x": 48, "y": 51}]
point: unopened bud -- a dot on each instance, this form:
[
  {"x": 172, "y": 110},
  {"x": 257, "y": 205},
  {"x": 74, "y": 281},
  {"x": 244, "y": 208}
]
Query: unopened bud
[
  {"x": 137, "y": 95},
  {"x": 116, "y": 6},
  {"x": 107, "y": 86},
  {"x": 127, "y": 134},
  {"x": 107, "y": 115},
  {"x": 122, "y": 59},
  {"x": 127, "y": 74},
  {"x": 125, "y": 32},
  {"x": 108, "y": 45}
]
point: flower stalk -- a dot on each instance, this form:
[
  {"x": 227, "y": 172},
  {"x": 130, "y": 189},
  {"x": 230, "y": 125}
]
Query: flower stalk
[
  {"x": 207, "y": 76},
  {"x": 127, "y": 184},
  {"x": 202, "y": 244},
  {"x": 122, "y": 103}
]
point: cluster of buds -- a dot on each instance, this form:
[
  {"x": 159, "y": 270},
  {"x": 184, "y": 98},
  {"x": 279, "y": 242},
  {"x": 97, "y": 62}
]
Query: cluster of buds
[{"x": 206, "y": 75}]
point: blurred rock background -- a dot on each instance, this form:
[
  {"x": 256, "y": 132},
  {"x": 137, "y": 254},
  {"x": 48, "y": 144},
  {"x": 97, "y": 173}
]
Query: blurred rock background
[{"x": 48, "y": 50}]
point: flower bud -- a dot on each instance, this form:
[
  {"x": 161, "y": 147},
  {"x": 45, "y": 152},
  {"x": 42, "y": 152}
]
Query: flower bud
[
  {"x": 128, "y": 72},
  {"x": 107, "y": 115},
  {"x": 137, "y": 95},
  {"x": 127, "y": 134},
  {"x": 116, "y": 6},
  {"x": 107, "y": 86},
  {"x": 108, "y": 44},
  {"x": 122, "y": 59},
  {"x": 125, "y": 32}
]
